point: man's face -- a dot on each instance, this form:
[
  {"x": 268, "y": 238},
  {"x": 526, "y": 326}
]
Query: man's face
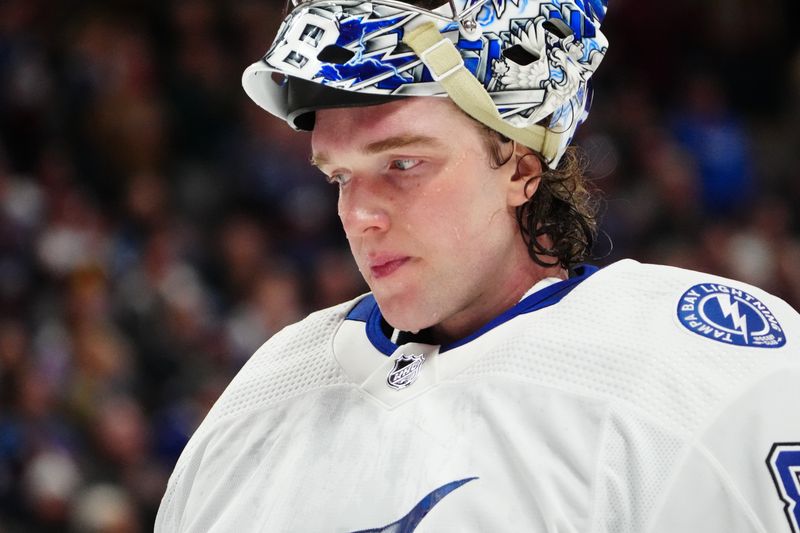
[{"x": 430, "y": 223}]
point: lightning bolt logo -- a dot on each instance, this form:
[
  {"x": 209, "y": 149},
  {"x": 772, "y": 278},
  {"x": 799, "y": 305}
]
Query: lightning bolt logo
[
  {"x": 730, "y": 309},
  {"x": 729, "y": 315}
]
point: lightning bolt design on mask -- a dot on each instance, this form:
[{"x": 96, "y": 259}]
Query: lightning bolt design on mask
[
  {"x": 384, "y": 71},
  {"x": 595, "y": 9},
  {"x": 730, "y": 309}
]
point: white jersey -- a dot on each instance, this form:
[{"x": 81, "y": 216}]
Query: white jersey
[{"x": 636, "y": 399}]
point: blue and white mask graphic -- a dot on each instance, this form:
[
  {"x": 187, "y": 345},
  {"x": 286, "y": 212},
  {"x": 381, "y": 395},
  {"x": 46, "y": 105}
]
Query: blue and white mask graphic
[{"x": 534, "y": 58}]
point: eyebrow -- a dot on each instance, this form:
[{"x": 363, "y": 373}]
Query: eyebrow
[{"x": 383, "y": 145}]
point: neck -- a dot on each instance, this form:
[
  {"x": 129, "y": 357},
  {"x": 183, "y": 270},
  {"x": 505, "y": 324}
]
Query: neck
[{"x": 473, "y": 317}]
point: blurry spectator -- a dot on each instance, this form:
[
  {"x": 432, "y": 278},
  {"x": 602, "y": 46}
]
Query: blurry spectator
[
  {"x": 720, "y": 145},
  {"x": 74, "y": 237},
  {"x": 123, "y": 444},
  {"x": 104, "y": 508},
  {"x": 764, "y": 251},
  {"x": 147, "y": 201},
  {"x": 275, "y": 302},
  {"x": 336, "y": 279},
  {"x": 49, "y": 484},
  {"x": 244, "y": 246}
]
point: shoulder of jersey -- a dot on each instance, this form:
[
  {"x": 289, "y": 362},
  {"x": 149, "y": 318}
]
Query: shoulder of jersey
[
  {"x": 694, "y": 308},
  {"x": 293, "y": 361},
  {"x": 619, "y": 337}
]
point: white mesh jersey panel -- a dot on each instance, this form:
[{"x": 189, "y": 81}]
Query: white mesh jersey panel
[
  {"x": 731, "y": 456},
  {"x": 637, "y": 461},
  {"x": 295, "y": 360}
]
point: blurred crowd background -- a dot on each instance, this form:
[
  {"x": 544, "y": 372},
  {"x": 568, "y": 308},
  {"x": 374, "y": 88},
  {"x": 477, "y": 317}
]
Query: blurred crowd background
[{"x": 156, "y": 227}]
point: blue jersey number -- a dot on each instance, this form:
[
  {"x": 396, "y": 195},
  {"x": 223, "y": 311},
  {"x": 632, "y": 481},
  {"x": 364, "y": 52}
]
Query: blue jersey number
[{"x": 784, "y": 465}]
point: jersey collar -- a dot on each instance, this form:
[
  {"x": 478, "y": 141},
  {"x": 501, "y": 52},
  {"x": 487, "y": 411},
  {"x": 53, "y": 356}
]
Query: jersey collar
[{"x": 367, "y": 311}]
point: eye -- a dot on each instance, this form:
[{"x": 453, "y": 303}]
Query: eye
[
  {"x": 338, "y": 178},
  {"x": 404, "y": 164}
]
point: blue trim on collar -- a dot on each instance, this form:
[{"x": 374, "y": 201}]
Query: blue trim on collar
[
  {"x": 367, "y": 311},
  {"x": 362, "y": 309},
  {"x": 552, "y": 294}
]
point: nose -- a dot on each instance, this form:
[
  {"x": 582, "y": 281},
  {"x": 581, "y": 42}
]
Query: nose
[{"x": 362, "y": 209}]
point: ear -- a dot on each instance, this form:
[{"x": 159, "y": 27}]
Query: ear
[{"x": 527, "y": 174}]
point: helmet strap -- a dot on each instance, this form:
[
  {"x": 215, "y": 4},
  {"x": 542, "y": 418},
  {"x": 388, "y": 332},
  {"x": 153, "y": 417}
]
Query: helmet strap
[{"x": 446, "y": 66}]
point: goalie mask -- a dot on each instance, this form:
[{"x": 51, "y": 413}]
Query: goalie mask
[{"x": 521, "y": 67}]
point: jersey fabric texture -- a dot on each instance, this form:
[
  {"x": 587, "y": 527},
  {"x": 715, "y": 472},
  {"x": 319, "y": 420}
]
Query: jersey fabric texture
[{"x": 599, "y": 404}]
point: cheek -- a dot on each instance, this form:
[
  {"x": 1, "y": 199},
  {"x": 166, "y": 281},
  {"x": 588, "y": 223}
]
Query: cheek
[
  {"x": 475, "y": 206},
  {"x": 456, "y": 227},
  {"x": 481, "y": 228}
]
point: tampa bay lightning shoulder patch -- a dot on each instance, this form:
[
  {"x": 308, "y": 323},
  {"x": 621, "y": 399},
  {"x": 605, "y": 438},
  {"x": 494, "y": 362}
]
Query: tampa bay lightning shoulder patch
[{"x": 730, "y": 316}]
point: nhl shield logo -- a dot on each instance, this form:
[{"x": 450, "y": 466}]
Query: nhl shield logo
[{"x": 406, "y": 370}]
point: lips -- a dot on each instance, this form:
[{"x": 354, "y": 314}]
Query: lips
[{"x": 381, "y": 267}]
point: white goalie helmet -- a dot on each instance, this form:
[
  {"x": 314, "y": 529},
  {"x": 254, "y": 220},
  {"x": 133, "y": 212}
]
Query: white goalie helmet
[{"x": 521, "y": 67}]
